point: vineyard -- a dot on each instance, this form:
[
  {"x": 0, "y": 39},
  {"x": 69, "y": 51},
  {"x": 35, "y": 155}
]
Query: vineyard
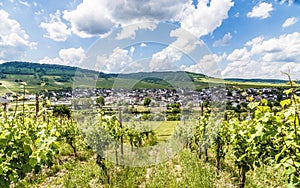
[{"x": 42, "y": 147}]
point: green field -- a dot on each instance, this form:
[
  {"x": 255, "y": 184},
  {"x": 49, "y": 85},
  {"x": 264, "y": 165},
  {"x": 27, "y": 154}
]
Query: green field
[{"x": 163, "y": 129}]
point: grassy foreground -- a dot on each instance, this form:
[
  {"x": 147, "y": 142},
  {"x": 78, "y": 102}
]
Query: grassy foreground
[{"x": 184, "y": 170}]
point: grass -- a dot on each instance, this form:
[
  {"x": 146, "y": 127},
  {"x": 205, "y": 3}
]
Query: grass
[
  {"x": 162, "y": 129},
  {"x": 184, "y": 170},
  {"x": 165, "y": 129}
]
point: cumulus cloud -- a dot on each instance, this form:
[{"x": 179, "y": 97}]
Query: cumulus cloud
[
  {"x": 130, "y": 30},
  {"x": 242, "y": 55},
  {"x": 285, "y": 48},
  {"x": 90, "y": 18},
  {"x": 184, "y": 44},
  {"x": 206, "y": 18},
  {"x": 261, "y": 11},
  {"x": 265, "y": 58},
  {"x": 208, "y": 65},
  {"x": 70, "y": 56},
  {"x": 126, "y": 12},
  {"x": 194, "y": 23},
  {"x": 254, "y": 41},
  {"x": 14, "y": 41},
  {"x": 117, "y": 61},
  {"x": 289, "y": 22},
  {"x": 164, "y": 60},
  {"x": 93, "y": 17},
  {"x": 56, "y": 29},
  {"x": 224, "y": 41}
]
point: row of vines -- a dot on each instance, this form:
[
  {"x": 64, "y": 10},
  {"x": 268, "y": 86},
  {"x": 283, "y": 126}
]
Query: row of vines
[
  {"x": 268, "y": 136},
  {"x": 30, "y": 142}
]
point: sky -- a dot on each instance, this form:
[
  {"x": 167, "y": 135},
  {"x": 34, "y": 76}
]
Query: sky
[{"x": 221, "y": 38}]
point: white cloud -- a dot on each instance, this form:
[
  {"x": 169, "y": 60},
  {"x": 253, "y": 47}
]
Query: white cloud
[
  {"x": 224, "y": 41},
  {"x": 117, "y": 61},
  {"x": 289, "y": 22},
  {"x": 284, "y": 49},
  {"x": 48, "y": 60},
  {"x": 14, "y": 41},
  {"x": 205, "y": 19},
  {"x": 254, "y": 41},
  {"x": 90, "y": 18},
  {"x": 239, "y": 55},
  {"x": 184, "y": 44},
  {"x": 257, "y": 69},
  {"x": 94, "y": 17},
  {"x": 195, "y": 23},
  {"x": 25, "y": 3},
  {"x": 70, "y": 56},
  {"x": 208, "y": 65},
  {"x": 40, "y": 12},
  {"x": 261, "y": 11},
  {"x": 164, "y": 60},
  {"x": 56, "y": 29},
  {"x": 128, "y": 12},
  {"x": 143, "y": 45},
  {"x": 290, "y": 2},
  {"x": 130, "y": 30},
  {"x": 261, "y": 58},
  {"x": 132, "y": 49}
]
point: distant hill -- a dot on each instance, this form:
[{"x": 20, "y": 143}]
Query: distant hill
[
  {"x": 273, "y": 81},
  {"x": 61, "y": 77},
  {"x": 27, "y": 68}
]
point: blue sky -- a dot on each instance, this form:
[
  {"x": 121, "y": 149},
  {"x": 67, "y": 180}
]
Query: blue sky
[{"x": 223, "y": 38}]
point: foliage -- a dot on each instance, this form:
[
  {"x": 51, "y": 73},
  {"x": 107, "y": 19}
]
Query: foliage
[
  {"x": 147, "y": 101},
  {"x": 25, "y": 146},
  {"x": 100, "y": 101},
  {"x": 62, "y": 111},
  {"x": 264, "y": 137}
]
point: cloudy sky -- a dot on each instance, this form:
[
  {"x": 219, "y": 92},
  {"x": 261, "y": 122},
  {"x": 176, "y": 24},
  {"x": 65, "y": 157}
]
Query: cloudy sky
[{"x": 226, "y": 38}]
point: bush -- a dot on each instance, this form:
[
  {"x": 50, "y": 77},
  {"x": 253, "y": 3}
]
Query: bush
[{"x": 62, "y": 111}]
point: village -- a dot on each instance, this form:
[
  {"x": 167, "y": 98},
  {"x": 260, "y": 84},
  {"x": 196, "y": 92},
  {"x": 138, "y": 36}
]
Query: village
[{"x": 159, "y": 97}]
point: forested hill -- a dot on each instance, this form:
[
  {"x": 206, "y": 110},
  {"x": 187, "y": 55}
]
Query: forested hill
[
  {"x": 26, "y": 68},
  {"x": 59, "y": 77}
]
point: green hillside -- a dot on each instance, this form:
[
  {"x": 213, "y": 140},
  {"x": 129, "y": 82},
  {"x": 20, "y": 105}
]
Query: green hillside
[{"x": 59, "y": 77}]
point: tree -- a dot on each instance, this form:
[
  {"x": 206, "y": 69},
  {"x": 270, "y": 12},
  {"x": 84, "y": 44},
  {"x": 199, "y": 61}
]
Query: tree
[
  {"x": 100, "y": 101},
  {"x": 62, "y": 111},
  {"x": 147, "y": 101}
]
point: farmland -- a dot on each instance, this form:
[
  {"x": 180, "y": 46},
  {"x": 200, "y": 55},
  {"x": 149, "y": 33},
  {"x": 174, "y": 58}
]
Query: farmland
[{"x": 104, "y": 137}]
